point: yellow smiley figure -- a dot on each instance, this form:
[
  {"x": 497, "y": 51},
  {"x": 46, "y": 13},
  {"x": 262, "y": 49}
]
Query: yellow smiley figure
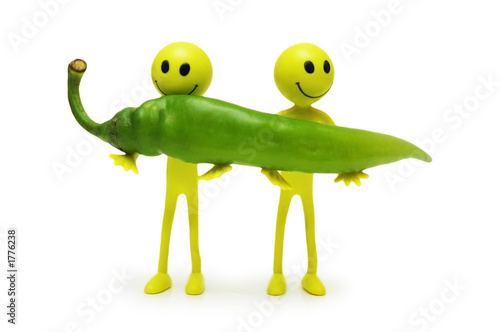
[
  {"x": 180, "y": 68},
  {"x": 303, "y": 74}
]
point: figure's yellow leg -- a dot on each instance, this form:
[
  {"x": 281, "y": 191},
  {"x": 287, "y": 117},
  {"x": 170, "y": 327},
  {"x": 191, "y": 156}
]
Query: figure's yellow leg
[
  {"x": 195, "y": 284},
  {"x": 277, "y": 285},
  {"x": 311, "y": 282},
  {"x": 161, "y": 281}
]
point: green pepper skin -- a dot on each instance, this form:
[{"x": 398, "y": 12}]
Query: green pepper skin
[{"x": 205, "y": 130}]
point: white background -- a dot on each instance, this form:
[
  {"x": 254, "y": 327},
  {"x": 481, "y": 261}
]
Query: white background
[{"x": 394, "y": 246}]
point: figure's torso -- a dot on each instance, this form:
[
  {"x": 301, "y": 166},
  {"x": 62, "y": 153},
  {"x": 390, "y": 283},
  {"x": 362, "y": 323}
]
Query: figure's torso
[
  {"x": 309, "y": 114},
  {"x": 182, "y": 177},
  {"x": 302, "y": 182}
]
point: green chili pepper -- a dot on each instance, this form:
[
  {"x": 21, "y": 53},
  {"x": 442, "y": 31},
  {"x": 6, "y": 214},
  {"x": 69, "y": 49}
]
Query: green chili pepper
[{"x": 203, "y": 130}]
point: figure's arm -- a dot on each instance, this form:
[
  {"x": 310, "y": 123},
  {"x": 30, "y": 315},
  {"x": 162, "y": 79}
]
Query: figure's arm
[
  {"x": 275, "y": 177},
  {"x": 351, "y": 177},
  {"x": 215, "y": 172},
  {"x": 346, "y": 177},
  {"x": 127, "y": 161}
]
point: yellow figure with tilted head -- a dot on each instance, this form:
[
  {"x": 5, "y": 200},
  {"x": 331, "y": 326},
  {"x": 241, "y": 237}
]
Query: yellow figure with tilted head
[
  {"x": 179, "y": 69},
  {"x": 303, "y": 74}
]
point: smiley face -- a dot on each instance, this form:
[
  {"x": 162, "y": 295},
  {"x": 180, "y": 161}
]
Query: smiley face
[
  {"x": 181, "y": 69},
  {"x": 304, "y": 73}
]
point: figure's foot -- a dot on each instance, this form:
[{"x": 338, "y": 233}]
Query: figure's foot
[
  {"x": 195, "y": 284},
  {"x": 215, "y": 172},
  {"x": 277, "y": 285},
  {"x": 275, "y": 177},
  {"x": 159, "y": 283},
  {"x": 313, "y": 285},
  {"x": 127, "y": 161},
  {"x": 351, "y": 177}
]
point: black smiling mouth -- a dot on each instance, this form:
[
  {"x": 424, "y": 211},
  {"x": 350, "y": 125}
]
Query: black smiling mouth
[
  {"x": 305, "y": 94},
  {"x": 156, "y": 82},
  {"x": 193, "y": 89}
]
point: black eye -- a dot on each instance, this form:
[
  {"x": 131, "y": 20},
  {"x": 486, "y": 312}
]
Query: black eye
[
  {"x": 185, "y": 68},
  {"x": 326, "y": 66},
  {"x": 309, "y": 67},
  {"x": 165, "y": 66}
]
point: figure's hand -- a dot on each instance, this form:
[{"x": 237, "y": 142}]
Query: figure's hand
[
  {"x": 127, "y": 161},
  {"x": 215, "y": 172},
  {"x": 351, "y": 177},
  {"x": 276, "y": 178}
]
